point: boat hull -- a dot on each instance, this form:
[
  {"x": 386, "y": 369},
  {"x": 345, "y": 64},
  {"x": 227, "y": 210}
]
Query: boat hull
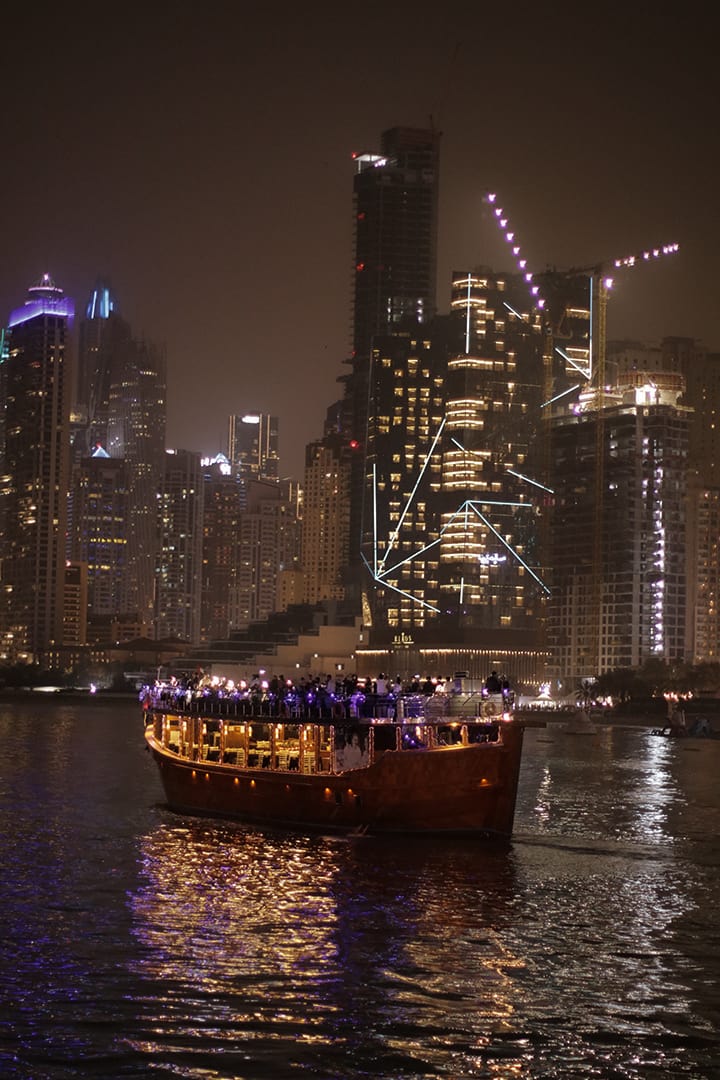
[{"x": 458, "y": 789}]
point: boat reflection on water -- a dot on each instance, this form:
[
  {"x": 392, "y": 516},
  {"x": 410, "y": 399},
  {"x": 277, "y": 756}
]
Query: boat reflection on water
[
  {"x": 201, "y": 947},
  {"x": 321, "y": 941}
]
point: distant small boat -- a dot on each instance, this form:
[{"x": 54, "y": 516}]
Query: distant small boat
[
  {"x": 440, "y": 773},
  {"x": 701, "y": 732}
]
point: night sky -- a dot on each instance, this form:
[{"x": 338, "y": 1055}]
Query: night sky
[{"x": 201, "y": 160}]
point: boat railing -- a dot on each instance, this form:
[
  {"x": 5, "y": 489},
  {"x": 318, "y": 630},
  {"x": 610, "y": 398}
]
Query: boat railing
[{"x": 329, "y": 708}]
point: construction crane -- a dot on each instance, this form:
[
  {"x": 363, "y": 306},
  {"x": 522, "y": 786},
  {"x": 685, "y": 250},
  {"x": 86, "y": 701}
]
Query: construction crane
[
  {"x": 600, "y": 279},
  {"x": 549, "y": 292}
]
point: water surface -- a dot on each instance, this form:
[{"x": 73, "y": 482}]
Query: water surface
[{"x": 138, "y": 943}]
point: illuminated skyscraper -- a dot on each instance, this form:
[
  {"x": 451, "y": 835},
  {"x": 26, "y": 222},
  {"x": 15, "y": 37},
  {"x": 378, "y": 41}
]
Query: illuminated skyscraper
[
  {"x": 179, "y": 572},
  {"x": 701, "y": 373},
  {"x": 104, "y": 338},
  {"x": 100, "y": 537},
  {"x": 253, "y": 446},
  {"x": 75, "y": 605},
  {"x": 395, "y": 204},
  {"x": 400, "y": 556},
  {"x": 36, "y": 390},
  {"x": 325, "y": 520},
  {"x": 269, "y": 543},
  {"x": 618, "y": 593},
  {"x": 453, "y": 481},
  {"x": 221, "y": 533},
  {"x": 122, "y": 391}
]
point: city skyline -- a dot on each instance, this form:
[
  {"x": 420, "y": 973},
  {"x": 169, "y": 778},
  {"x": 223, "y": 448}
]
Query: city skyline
[{"x": 213, "y": 187}]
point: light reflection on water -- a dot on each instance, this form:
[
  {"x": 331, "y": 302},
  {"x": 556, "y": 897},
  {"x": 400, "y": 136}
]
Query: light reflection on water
[{"x": 184, "y": 947}]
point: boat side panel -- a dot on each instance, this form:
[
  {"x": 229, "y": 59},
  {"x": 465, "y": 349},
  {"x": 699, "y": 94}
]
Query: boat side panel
[{"x": 450, "y": 789}]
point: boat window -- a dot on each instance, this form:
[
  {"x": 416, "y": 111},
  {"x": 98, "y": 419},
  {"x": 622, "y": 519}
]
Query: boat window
[
  {"x": 478, "y": 733},
  {"x": 449, "y": 734},
  {"x": 258, "y": 745},
  {"x": 385, "y": 738},
  {"x": 415, "y": 736}
]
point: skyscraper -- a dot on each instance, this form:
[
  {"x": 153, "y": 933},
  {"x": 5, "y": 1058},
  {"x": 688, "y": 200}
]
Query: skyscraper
[
  {"x": 100, "y": 537},
  {"x": 395, "y": 199},
  {"x": 253, "y": 446},
  {"x": 221, "y": 533},
  {"x": 453, "y": 547},
  {"x": 36, "y": 388},
  {"x": 179, "y": 572},
  {"x": 701, "y": 373},
  {"x": 269, "y": 543},
  {"x": 395, "y": 202},
  {"x": 619, "y": 578},
  {"x": 122, "y": 392},
  {"x": 326, "y": 512}
]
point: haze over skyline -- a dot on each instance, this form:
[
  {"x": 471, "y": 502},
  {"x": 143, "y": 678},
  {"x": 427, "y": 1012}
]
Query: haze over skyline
[{"x": 202, "y": 162}]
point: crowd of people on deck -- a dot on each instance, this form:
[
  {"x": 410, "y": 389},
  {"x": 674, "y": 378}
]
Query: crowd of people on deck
[{"x": 313, "y": 697}]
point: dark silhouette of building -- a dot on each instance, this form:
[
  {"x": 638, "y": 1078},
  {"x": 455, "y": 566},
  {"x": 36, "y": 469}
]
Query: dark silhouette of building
[{"x": 395, "y": 201}]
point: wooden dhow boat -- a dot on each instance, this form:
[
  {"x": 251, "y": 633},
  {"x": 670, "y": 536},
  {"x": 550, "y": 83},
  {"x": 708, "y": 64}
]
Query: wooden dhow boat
[{"x": 412, "y": 765}]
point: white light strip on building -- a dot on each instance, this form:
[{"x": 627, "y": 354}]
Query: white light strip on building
[
  {"x": 394, "y": 536},
  {"x": 512, "y": 551}
]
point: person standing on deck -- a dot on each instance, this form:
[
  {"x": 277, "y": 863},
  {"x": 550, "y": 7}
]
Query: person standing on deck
[{"x": 492, "y": 683}]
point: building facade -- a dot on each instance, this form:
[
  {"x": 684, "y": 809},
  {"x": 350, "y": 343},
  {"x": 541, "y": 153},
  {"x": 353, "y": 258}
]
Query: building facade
[
  {"x": 325, "y": 520},
  {"x": 453, "y": 479},
  {"x": 253, "y": 446},
  {"x": 99, "y": 537},
  {"x": 179, "y": 570},
  {"x": 269, "y": 544},
  {"x": 36, "y": 378},
  {"x": 395, "y": 203},
  {"x": 122, "y": 394},
  {"x": 395, "y": 219},
  {"x": 618, "y": 528},
  {"x": 220, "y": 546}
]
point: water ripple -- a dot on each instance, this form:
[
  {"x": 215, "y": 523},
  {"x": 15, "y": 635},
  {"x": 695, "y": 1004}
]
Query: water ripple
[{"x": 138, "y": 943}]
